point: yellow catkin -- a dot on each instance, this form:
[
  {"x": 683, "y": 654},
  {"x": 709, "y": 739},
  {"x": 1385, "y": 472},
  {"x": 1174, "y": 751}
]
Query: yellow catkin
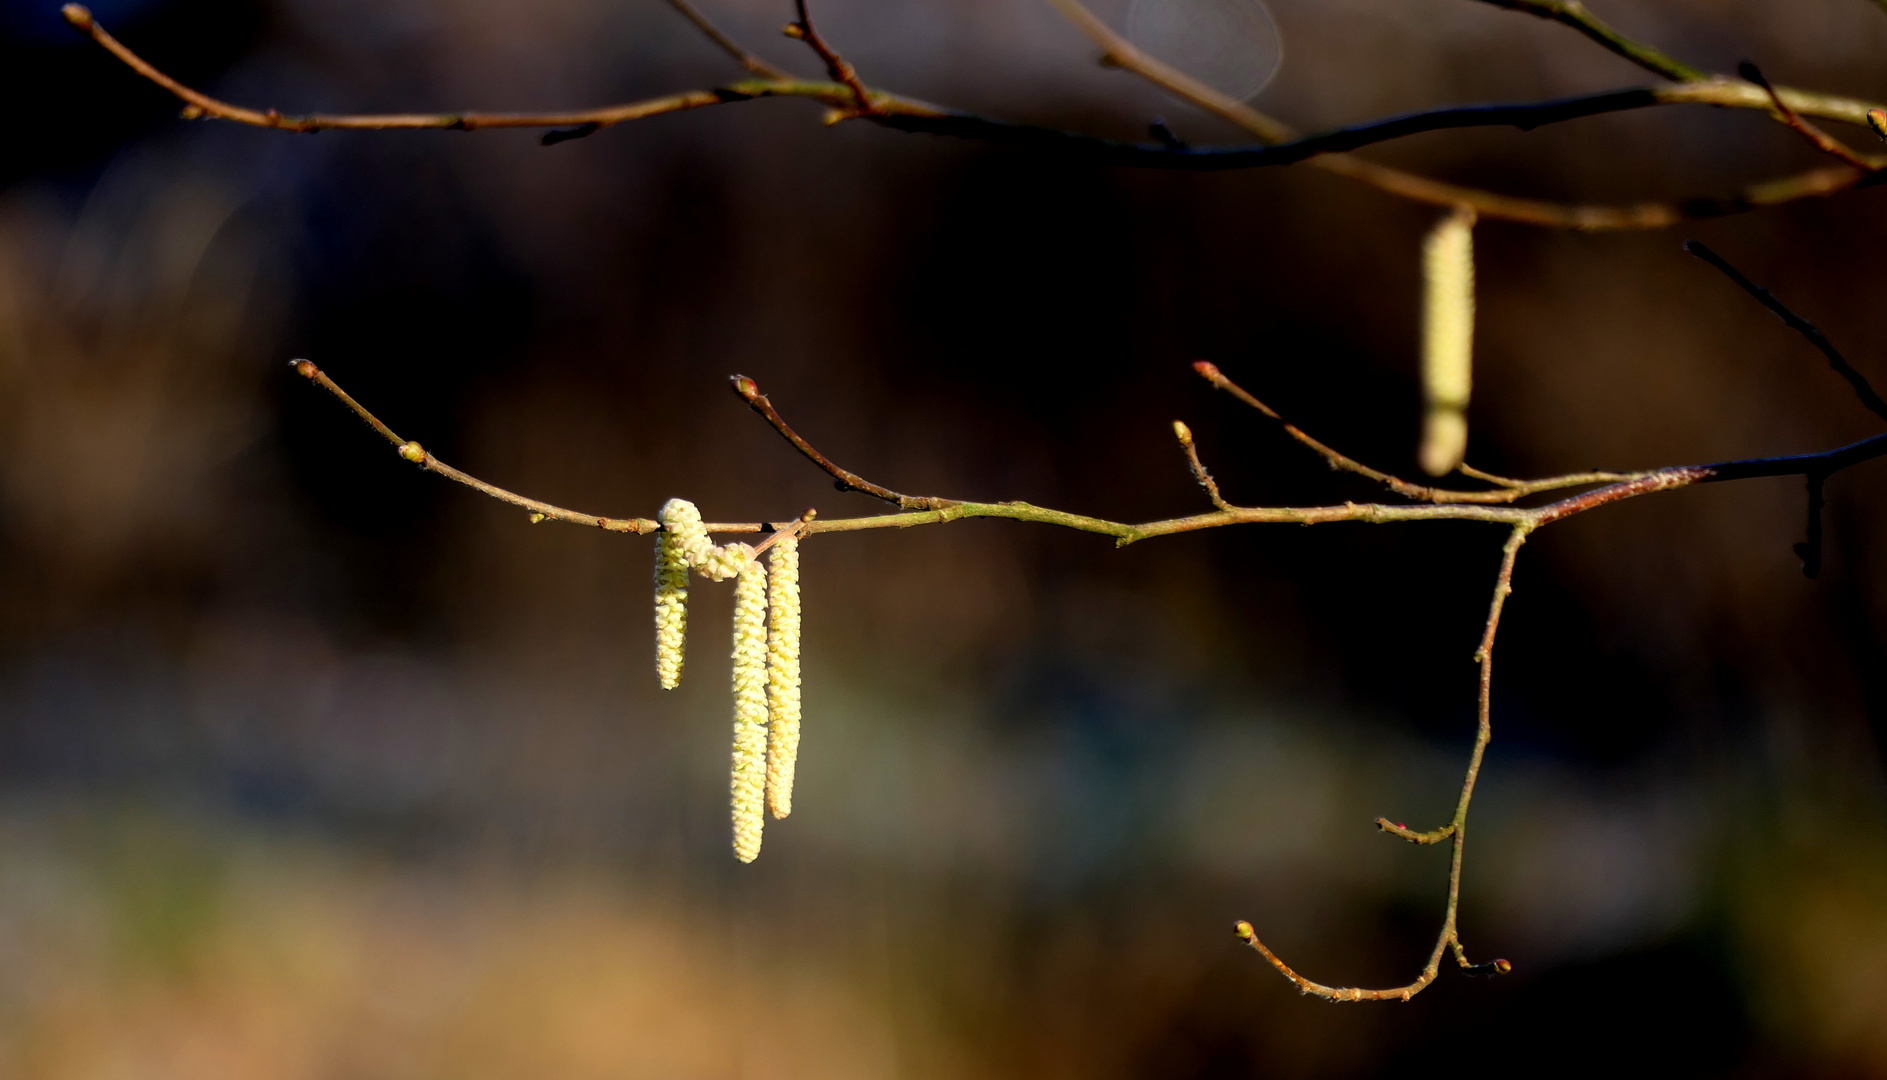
[
  {"x": 782, "y": 673},
  {"x": 671, "y": 609},
  {"x": 1447, "y": 341},
  {"x": 747, "y": 783}
]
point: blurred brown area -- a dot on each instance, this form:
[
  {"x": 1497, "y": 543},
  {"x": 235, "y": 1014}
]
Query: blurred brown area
[{"x": 312, "y": 765}]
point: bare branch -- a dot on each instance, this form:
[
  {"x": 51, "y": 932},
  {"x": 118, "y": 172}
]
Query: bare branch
[
  {"x": 1839, "y": 363},
  {"x": 740, "y": 53},
  {"x": 906, "y": 114},
  {"x": 1511, "y": 490},
  {"x": 837, "y": 66},
  {"x": 846, "y": 480},
  {"x": 1816, "y": 137},
  {"x": 413, "y": 452},
  {"x": 1456, "y": 829},
  {"x": 1574, "y": 14},
  {"x": 1117, "y": 50}
]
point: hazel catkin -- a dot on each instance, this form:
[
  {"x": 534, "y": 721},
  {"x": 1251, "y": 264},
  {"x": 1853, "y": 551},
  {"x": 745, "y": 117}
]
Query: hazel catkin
[
  {"x": 1447, "y": 341},
  {"x": 671, "y": 609},
  {"x": 747, "y": 781},
  {"x": 782, "y": 673}
]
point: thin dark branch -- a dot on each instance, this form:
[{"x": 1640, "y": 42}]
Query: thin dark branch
[
  {"x": 1816, "y": 137},
  {"x": 742, "y": 55},
  {"x": 1795, "y": 322},
  {"x": 1809, "y": 550},
  {"x": 846, "y": 480}
]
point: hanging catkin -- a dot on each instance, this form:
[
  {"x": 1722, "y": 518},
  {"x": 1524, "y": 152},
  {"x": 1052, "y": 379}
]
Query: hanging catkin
[
  {"x": 782, "y": 673},
  {"x": 671, "y": 607},
  {"x": 747, "y": 783},
  {"x": 1447, "y": 341}
]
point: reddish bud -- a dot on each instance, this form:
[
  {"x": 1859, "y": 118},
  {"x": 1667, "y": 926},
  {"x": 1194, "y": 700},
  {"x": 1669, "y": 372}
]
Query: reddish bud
[
  {"x": 78, "y": 15},
  {"x": 305, "y": 368},
  {"x": 1206, "y": 368}
]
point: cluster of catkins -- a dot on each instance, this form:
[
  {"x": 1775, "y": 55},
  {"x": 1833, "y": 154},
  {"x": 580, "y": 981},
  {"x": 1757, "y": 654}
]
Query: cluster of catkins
[{"x": 766, "y": 656}]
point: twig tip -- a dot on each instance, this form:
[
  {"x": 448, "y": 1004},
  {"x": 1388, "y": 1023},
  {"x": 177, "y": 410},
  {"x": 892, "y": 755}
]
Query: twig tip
[
  {"x": 79, "y": 16},
  {"x": 304, "y": 368},
  {"x": 1877, "y": 119},
  {"x": 1206, "y": 369},
  {"x": 1182, "y": 432},
  {"x": 1243, "y": 930},
  {"x": 745, "y": 387},
  {"x": 413, "y": 452}
]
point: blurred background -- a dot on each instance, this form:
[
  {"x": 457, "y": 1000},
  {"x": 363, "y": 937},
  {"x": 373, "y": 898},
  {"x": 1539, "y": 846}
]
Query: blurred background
[{"x": 315, "y": 766}]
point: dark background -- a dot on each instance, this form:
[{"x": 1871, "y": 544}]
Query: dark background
[{"x": 313, "y": 765}]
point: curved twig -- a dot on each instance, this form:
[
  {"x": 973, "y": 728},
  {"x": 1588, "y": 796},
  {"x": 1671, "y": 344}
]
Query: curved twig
[
  {"x": 1862, "y": 389},
  {"x": 1510, "y": 490}
]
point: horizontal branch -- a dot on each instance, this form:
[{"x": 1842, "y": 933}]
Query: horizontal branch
[
  {"x": 1325, "y": 150},
  {"x": 947, "y": 510}
]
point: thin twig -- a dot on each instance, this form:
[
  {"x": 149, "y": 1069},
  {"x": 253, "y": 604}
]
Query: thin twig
[
  {"x": 1457, "y": 827},
  {"x": 1862, "y": 389},
  {"x": 905, "y": 114},
  {"x": 742, "y": 56},
  {"x": 1511, "y": 490},
  {"x": 837, "y": 66},
  {"x": 1199, "y": 473},
  {"x": 845, "y": 480},
  {"x": 418, "y": 455},
  {"x": 1816, "y": 137},
  {"x": 1574, "y": 14}
]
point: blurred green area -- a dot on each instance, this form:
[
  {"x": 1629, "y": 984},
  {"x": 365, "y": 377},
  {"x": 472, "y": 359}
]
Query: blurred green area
[{"x": 314, "y": 766}]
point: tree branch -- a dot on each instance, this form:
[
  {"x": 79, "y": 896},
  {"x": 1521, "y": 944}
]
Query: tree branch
[
  {"x": 905, "y": 114},
  {"x": 1457, "y": 827},
  {"x": 1511, "y": 490},
  {"x": 1574, "y": 14},
  {"x": 1521, "y": 522},
  {"x": 1816, "y": 137},
  {"x": 735, "y": 49},
  {"x": 837, "y": 66},
  {"x": 1839, "y": 363}
]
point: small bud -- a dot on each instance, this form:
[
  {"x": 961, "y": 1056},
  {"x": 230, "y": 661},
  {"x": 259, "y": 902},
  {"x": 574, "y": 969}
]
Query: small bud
[
  {"x": 1206, "y": 368},
  {"x": 794, "y": 30},
  {"x": 746, "y": 387},
  {"x": 537, "y": 517},
  {"x": 835, "y": 117},
  {"x": 78, "y": 16},
  {"x": 1183, "y": 432},
  {"x": 413, "y": 452},
  {"x": 1503, "y": 966},
  {"x": 305, "y": 368},
  {"x": 190, "y": 112},
  {"x": 1877, "y": 119},
  {"x": 1243, "y": 930}
]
